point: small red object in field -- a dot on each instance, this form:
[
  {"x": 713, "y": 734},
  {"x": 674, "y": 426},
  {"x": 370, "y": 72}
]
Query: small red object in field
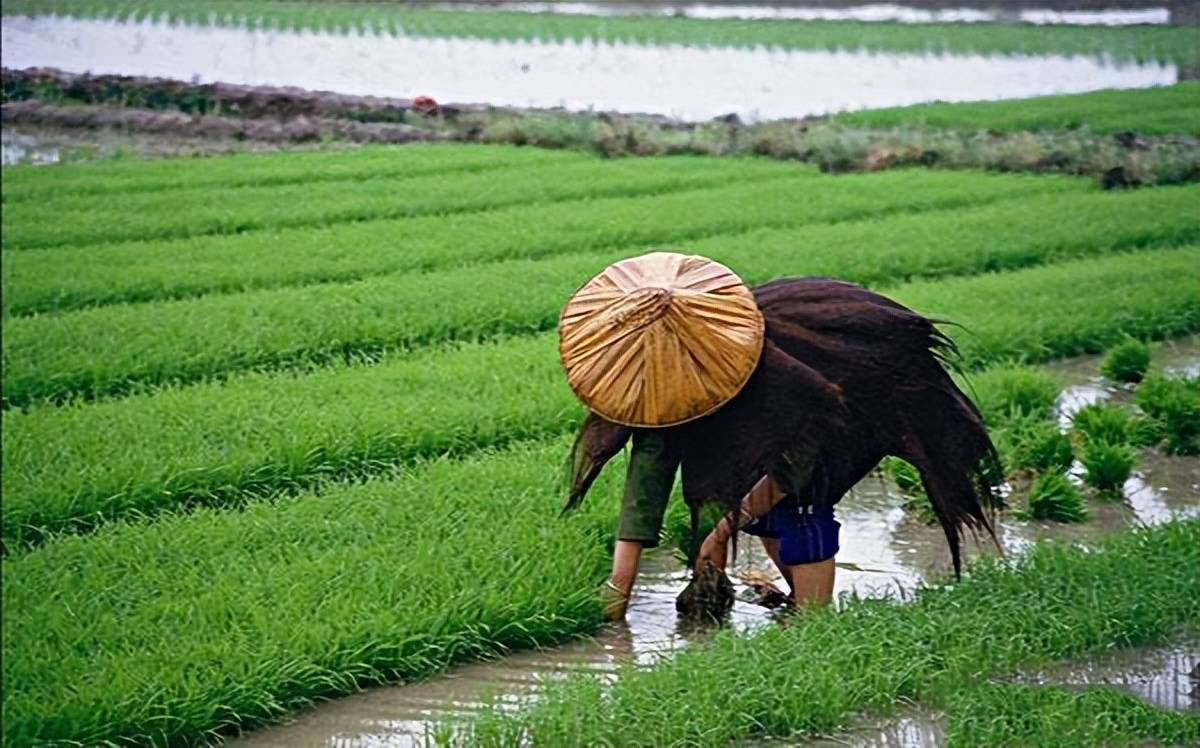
[{"x": 425, "y": 105}]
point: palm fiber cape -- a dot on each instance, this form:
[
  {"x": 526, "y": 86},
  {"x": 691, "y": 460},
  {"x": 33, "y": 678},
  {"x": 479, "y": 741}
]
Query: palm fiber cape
[{"x": 846, "y": 378}]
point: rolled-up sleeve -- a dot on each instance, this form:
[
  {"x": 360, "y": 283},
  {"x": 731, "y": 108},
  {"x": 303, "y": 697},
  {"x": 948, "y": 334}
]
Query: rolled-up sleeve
[{"x": 653, "y": 463}]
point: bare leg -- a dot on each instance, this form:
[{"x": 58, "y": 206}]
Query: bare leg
[
  {"x": 627, "y": 555},
  {"x": 812, "y": 584}
]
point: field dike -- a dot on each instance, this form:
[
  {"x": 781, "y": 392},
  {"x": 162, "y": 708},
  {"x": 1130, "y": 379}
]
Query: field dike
[{"x": 1104, "y": 135}]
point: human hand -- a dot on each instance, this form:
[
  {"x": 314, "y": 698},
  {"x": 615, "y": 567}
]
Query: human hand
[{"x": 714, "y": 549}]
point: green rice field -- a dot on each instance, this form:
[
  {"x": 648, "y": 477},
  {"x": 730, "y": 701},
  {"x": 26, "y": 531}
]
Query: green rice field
[{"x": 276, "y": 428}]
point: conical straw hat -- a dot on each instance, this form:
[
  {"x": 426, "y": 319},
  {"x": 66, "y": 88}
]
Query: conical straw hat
[{"x": 660, "y": 339}]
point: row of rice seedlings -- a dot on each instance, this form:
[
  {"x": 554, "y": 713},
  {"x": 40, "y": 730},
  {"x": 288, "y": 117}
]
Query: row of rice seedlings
[
  {"x": 1018, "y": 327},
  {"x": 263, "y": 170},
  {"x": 1027, "y": 226},
  {"x": 115, "y": 349},
  {"x": 995, "y": 715},
  {"x": 1055, "y": 215},
  {"x": 1122, "y": 43},
  {"x": 808, "y": 676},
  {"x": 220, "y": 443},
  {"x": 228, "y": 443},
  {"x": 96, "y": 219},
  {"x": 1152, "y": 111},
  {"x": 162, "y": 634}
]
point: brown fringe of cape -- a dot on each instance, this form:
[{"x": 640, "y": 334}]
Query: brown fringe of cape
[{"x": 846, "y": 375}]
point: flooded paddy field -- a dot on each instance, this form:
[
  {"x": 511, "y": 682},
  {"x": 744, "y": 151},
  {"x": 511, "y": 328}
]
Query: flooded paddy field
[
  {"x": 885, "y": 552},
  {"x": 680, "y": 82},
  {"x": 284, "y": 428}
]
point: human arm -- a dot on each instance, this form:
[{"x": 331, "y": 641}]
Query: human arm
[{"x": 760, "y": 499}]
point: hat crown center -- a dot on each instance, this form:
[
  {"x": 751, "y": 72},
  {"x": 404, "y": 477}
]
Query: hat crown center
[{"x": 646, "y": 305}]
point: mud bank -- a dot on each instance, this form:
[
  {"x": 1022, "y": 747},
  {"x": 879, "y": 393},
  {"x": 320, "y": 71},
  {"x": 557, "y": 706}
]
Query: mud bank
[{"x": 47, "y": 109}]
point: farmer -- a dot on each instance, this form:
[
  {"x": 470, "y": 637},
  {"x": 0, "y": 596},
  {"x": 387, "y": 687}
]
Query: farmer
[{"x": 771, "y": 403}]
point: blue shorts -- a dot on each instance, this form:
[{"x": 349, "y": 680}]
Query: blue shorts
[{"x": 807, "y": 533}]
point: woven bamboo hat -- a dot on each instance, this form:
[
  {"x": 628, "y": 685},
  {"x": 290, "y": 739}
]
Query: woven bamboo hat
[{"x": 660, "y": 339}]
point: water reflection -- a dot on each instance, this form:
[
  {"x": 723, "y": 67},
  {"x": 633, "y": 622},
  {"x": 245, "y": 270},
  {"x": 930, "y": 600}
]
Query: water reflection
[
  {"x": 690, "y": 83},
  {"x": 23, "y": 149},
  {"x": 867, "y": 12}
]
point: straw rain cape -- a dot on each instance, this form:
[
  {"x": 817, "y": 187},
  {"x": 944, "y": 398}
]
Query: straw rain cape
[{"x": 846, "y": 378}]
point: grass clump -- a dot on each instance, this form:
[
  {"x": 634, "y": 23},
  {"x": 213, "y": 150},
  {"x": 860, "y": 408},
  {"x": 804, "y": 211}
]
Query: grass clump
[
  {"x": 1057, "y": 602},
  {"x": 1174, "y": 403},
  {"x": 1127, "y": 362},
  {"x": 999, "y": 715},
  {"x": 1105, "y": 434},
  {"x": 1052, "y": 496}
]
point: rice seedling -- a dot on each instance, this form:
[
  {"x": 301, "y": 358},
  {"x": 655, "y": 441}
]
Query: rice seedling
[
  {"x": 1101, "y": 423},
  {"x": 1057, "y": 602},
  {"x": 212, "y": 210},
  {"x": 257, "y": 434},
  {"x": 1007, "y": 393},
  {"x": 1034, "y": 444},
  {"x": 1052, "y": 496},
  {"x": 994, "y": 714},
  {"x": 1174, "y": 403},
  {"x": 1120, "y": 43},
  {"x": 1161, "y": 110},
  {"x": 1127, "y": 362},
  {"x": 1108, "y": 466},
  {"x": 991, "y": 302}
]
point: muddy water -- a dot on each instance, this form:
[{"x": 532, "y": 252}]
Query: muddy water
[
  {"x": 688, "y": 83},
  {"x": 884, "y": 552}
]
